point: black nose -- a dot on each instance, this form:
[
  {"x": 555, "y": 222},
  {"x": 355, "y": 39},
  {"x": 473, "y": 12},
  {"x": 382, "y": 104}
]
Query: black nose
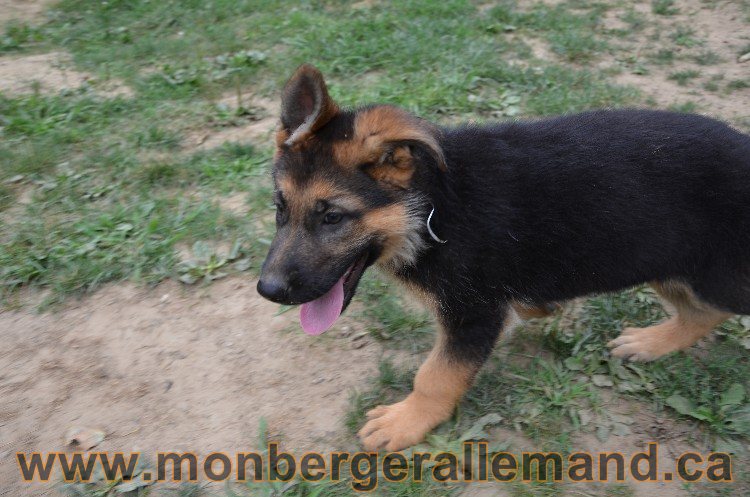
[{"x": 274, "y": 289}]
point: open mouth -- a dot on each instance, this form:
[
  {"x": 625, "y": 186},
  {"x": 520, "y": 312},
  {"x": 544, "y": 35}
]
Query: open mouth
[{"x": 319, "y": 315}]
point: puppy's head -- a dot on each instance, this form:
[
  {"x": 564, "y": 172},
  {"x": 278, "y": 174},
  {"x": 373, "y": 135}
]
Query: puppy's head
[{"x": 347, "y": 193}]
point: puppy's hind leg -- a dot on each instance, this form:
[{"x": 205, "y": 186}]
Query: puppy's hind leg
[
  {"x": 526, "y": 311},
  {"x": 692, "y": 321}
]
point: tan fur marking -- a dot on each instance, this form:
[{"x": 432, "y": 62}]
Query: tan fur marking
[
  {"x": 681, "y": 296},
  {"x": 694, "y": 319},
  {"x": 302, "y": 198},
  {"x": 319, "y": 190},
  {"x": 375, "y": 130},
  {"x": 282, "y": 135},
  {"x": 287, "y": 187},
  {"x": 439, "y": 385},
  {"x": 395, "y": 170},
  {"x": 391, "y": 224},
  {"x": 527, "y": 312}
]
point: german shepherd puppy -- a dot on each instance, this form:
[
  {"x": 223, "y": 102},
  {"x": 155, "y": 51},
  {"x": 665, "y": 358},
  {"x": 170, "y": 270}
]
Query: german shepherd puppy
[{"x": 477, "y": 218}]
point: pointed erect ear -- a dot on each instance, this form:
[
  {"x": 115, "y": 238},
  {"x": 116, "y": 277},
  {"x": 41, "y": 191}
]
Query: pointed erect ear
[{"x": 305, "y": 104}]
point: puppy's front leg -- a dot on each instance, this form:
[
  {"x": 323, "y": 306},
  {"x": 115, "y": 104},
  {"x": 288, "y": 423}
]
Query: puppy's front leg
[{"x": 461, "y": 348}]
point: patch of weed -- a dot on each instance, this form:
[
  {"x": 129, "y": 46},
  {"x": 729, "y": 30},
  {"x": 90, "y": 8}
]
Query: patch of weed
[
  {"x": 664, "y": 7},
  {"x": 740, "y": 485},
  {"x": 737, "y": 84},
  {"x": 576, "y": 46},
  {"x": 233, "y": 168},
  {"x": 684, "y": 36},
  {"x": 561, "y": 90},
  {"x": 208, "y": 265},
  {"x": 6, "y": 197},
  {"x": 159, "y": 174},
  {"x": 77, "y": 254},
  {"x": 570, "y": 34},
  {"x": 711, "y": 85},
  {"x": 686, "y": 107},
  {"x": 18, "y": 35},
  {"x": 391, "y": 385},
  {"x": 705, "y": 388},
  {"x": 634, "y": 19},
  {"x": 390, "y": 319},
  {"x": 706, "y": 57},
  {"x": 662, "y": 57},
  {"x": 99, "y": 486},
  {"x": 156, "y": 137},
  {"x": 619, "y": 490},
  {"x": 684, "y": 77}
]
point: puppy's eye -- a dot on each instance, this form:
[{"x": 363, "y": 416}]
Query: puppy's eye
[{"x": 332, "y": 218}]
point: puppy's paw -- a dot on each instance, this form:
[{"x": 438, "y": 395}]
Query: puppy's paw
[
  {"x": 642, "y": 344},
  {"x": 397, "y": 426}
]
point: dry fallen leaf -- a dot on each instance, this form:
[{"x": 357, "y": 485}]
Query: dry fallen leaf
[{"x": 84, "y": 438}]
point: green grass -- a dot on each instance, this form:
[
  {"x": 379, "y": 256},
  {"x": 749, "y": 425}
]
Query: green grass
[
  {"x": 686, "y": 107},
  {"x": 7, "y": 197},
  {"x": 570, "y": 34},
  {"x": 664, "y": 7},
  {"x": 546, "y": 396},
  {"x": 737, "y": 84},
  {"x": 391, "y": 319},
  {"x": 707, "y": 58},
  {"x": 551, "y": 381},
  {"x": 118, "y": 192},
  {"x": 635, "y": 20},
  {"x": 712, "y": 84},
  {"x": 95, "y": 163},
  {"x": 702, "y": 379},
  {"x": 662, "y": 57},
  {"x": 539, "y": 396},
  {"x": 17, "y": 35},
  {"x": 684, "y": 77},
  {"x": 684, "y": 36}
]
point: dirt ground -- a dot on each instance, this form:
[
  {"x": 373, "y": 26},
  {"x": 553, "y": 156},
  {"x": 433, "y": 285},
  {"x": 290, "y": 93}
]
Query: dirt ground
[
  {"x": 721, "y": 27},
  {"x": 50, "y": 73},
  {"x": 174, "y": 369},
  {"x": 177, "y": 368},
  {"x": 47, "y": 72},
  {"x": 23, "y": 10},
  {"x": 260, "y": 128}
]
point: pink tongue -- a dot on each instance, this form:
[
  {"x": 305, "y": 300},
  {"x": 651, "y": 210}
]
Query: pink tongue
[{"x": 320, "y": 314}]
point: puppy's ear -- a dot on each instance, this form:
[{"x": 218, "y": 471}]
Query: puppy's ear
[
  {"x": 305, "y": 104},
  {"x": 398, "y": 159},
  {"x": 390, "y": 144},
  {"x": 394, "y": 166}
]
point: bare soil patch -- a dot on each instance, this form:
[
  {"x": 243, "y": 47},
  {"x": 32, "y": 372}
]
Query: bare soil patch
[
  {"x": 173, "y": 369},
  {"x": 236, "y": 203},
  {"x": 717, "y": 27},
  {"x": 23, "y": 10},
  {"x": 50, "y": 73},
  {"x": 258, "y": 128}
]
